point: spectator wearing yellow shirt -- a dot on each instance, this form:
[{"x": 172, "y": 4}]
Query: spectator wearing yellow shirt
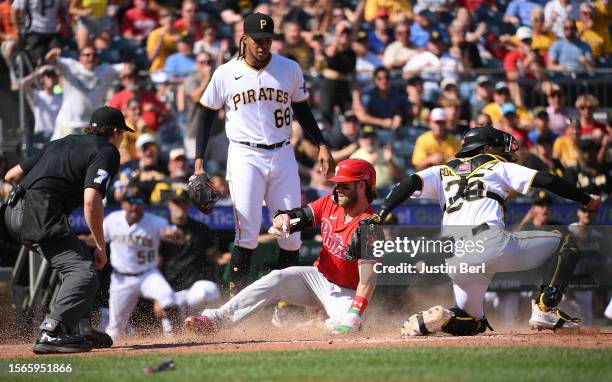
[
  {"x": 435, "y": 146},
  {"x": 541, "y": 40},
  {"x": 567, "y": 147},
  {"x": 387, "y": 169},
  {"x": 134, "y": 119},
  {"x": 597, "y": 37},
  {"x": 162, "y": 42},
  {"x": 502, "y": 97},
  {"x": 398, "y": 10}
]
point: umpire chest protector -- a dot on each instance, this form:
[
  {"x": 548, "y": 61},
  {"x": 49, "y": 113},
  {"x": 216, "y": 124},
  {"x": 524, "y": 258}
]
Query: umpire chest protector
[{"x": 465, "y": 170}]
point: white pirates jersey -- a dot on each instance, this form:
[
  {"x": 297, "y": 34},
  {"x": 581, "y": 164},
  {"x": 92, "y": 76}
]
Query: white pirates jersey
[
  {"x": 257, "y": 103},
  {"x": 488, "y": 181},
  {"x": 134, "y": 248}
]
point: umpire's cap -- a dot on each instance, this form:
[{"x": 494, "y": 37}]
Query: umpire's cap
[
  {"x": 259, "y": 26},
  {"x": 109, "y": 117},
  {"x": 479, "y": 137}
]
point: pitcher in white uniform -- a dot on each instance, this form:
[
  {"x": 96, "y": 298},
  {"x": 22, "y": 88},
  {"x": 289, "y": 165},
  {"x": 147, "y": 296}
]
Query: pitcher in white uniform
[
  {"x": 259, "y": 92},
  {"x": 472, "y": 191}
]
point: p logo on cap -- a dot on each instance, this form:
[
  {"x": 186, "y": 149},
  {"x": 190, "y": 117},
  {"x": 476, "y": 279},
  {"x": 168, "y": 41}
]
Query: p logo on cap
[{"x": 262, "y": 24}]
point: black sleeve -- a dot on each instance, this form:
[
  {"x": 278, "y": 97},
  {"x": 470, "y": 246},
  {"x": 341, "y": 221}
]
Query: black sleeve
[
  {"x": 560, "y": 187},
  {"x": 203, "y": 133},
  {"x": 304, "y": 116},
  {"x": 103, "y": 166},
  {"x": 402, "y": 191},
  {"x": 28, "y": 163}
]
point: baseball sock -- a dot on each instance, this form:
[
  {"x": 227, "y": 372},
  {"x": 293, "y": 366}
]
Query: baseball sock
[
  {"x": 287, "y": 258},
  {"x": 241, "y": 265}
]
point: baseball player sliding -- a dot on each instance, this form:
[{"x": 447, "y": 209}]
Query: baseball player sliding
[
  {"x": 472, "y": 190},
  {"x": 339, "y": 281},
  {"x": 259, "y": 92},
  {"x": 134, "y": 237}
]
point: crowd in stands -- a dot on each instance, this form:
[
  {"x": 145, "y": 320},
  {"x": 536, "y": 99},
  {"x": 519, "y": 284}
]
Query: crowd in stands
[{"x": 395, "y": 82}]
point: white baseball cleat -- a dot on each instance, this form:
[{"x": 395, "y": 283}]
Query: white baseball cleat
[
  {"x": 552, "y": 319},
  {"x": 426, "y": 322},
  {"x": 608, "y": 312}
]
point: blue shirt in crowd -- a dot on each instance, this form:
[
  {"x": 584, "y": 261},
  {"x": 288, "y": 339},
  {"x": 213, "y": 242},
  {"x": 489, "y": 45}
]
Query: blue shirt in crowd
[
  {"x": 566, "y": 53},
  {"x": 380, "y": 107},
  {"x": 522, "y": 9},
  {"x": 420, "y": 36},
  {"x": 179, "y": 66}
]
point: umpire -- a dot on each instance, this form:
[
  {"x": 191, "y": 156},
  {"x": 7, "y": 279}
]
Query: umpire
[{"x": 70, "y": 172}]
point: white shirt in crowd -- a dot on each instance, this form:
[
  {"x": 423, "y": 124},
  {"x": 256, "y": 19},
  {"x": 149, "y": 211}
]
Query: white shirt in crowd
[
  {"x": 41, "y": 15},
  {"x": 555, "y": 13},
  {"x": 46, "y": 107},
  {"x": 86, "y": 90}
]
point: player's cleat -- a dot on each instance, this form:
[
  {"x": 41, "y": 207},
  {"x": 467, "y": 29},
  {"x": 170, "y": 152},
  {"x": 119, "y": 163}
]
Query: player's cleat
[
  {"x": 426, "y": 322},
  {"x": 200, "y": 324},
  {"x": 60, "y": 341},
  {"x": 551, "y": 319},
  {"x": 98, "y": 340},
  {"x": 608, "y": 312}
]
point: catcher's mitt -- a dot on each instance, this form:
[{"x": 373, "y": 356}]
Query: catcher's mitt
[{"x": 202, "y": 193}]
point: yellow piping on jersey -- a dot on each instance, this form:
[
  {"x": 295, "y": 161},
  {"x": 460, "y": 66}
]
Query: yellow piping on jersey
[
  {"x": 531, "y": 182},
  {"x": 209, "y": 107},
  {"x": 473, "y": 172}
]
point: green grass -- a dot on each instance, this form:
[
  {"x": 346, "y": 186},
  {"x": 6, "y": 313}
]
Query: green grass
[{"x": 455, "y": 364}]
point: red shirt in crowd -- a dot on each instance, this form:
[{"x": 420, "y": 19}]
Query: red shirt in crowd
[
  {"x": 181, "y": 26},
  {"x": 5, "y": 20},
  {"x": 121, "y": 98},
  {"x": 333, "y": 262},
  {"x": 472, "y": 5},
  {"x": 587, "y": 130},
  {"x": 515, "y": 58},
  {"x": 139, "y": 23}
]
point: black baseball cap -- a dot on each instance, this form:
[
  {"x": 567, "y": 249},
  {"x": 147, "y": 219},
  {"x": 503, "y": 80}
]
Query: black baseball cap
[
  {"x": 259, "y": 26},
  {"x": 541, "y": 198},
  {"x": 109, "y": 117},
  {"x": 367, "y": 132}
]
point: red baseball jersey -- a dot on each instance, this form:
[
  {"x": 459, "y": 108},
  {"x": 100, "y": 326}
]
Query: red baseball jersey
[{"x": 333, "y": 262}]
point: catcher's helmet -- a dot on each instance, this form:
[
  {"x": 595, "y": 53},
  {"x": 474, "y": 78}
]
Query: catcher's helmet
[
  {"x": 350, "y": 170},
  {"x": 479, "y": 137}
]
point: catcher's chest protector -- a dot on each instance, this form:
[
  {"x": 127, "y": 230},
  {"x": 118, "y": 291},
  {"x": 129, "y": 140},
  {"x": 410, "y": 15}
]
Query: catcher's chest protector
[{"x": 464, "y": 169}]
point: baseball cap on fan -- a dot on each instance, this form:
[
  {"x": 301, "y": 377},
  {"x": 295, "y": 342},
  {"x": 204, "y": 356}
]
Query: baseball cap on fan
[
  {"x": 259, "y": 26},
  {"x": 109, "y": 117}
]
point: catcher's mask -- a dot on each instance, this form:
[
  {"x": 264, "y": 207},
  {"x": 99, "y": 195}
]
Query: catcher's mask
[
  {"x": 475, "y": 139},
  {"x": 351, "y": 170}
]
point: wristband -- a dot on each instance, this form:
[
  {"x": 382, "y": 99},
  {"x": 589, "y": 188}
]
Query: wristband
[{"x": 359, "y": 305}]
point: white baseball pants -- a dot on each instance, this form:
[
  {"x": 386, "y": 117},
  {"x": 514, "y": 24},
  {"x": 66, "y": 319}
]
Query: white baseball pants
[
  {"x": 124, "y": 293},
  {"x": 304, "y": 286},
  {"x": 504, "y": 252},
  {"x": 256, "y": 175}
]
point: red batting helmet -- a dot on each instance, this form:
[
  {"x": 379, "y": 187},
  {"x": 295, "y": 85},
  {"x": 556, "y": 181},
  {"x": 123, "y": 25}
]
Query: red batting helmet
[{"x": 350, "y": 170}]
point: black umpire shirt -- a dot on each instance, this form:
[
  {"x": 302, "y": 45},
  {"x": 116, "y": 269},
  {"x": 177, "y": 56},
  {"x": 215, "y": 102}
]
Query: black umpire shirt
[
  {"x": 65, "y": 167},
  {"x": 184, "y": 264}
]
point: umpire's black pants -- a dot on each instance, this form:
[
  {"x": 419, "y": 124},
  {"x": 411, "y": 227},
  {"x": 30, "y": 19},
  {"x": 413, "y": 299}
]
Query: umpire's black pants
[
  {"x": 30, "y": 217},
  {"x": 71, "y": 257}
]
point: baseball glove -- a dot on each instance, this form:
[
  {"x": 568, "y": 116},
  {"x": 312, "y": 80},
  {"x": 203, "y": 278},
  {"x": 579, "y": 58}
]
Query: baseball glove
[{"x": 202, "y": 193}]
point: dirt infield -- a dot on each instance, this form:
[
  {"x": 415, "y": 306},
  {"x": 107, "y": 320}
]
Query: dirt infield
[{"x": 285, "y": 340}]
